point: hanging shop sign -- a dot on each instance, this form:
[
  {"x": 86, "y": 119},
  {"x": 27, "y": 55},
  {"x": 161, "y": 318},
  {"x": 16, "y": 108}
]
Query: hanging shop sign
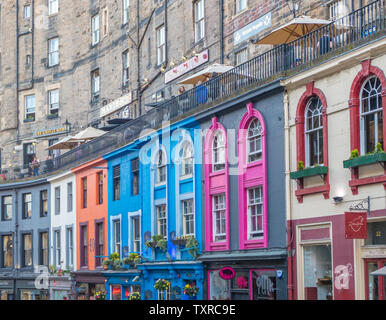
[
  {"x": 187, "y": 66},
  {"x": 50, "y": 132},
  {"x": 252, "y": 28},
  {"x": 227, "y": 273},
  {"x": 355, "y": 225},
  {"x": 115, "y": 105}
]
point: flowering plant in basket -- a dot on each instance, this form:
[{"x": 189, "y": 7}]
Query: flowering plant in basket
[
  {"x": 161, "y": 284},
  {"x": 190, "y": 290},
  {"x": 100, "y": 295}
]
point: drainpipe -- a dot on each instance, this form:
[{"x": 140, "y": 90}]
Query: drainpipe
[
  {"x": 166, "y": 32},
  {"x": 221, "y": 10},
  {"x": 288, "y": 195},
  {"x": 138, "y": 65},
  {"x": 17, "y": 72},
  {"x": 15, "y": 245}
]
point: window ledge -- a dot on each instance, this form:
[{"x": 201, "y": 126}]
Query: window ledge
[
  {"x": 161, "y": 184},
  {"x": 253, "y": 164},
  {"x": 365, "y": 160},
  {"x": 309, "y": 172},
  {"x": 28, "y": 120},
  {"x": 186, "y": 177},
  {"x": 217, "y": 173}
]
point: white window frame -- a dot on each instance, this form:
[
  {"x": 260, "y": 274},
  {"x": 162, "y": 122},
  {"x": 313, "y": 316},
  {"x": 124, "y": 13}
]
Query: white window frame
[
  {"x": 218, "y": 151},
  {"x": 221, "y": 210},
  {"x": 95, "y": 82},
  {"x": 162, "y": 221},
  {"x": 199, "y": 20},
  {"x": 317, "y": 113},
  {"x": 125, "y": 11},
  {"x": 161, "y": 45},
  {"x": 27, "y": 11},
  {"x": 95, "y": 29},
  {"x": 241, "y": 56},
  {"x": 53, "y": 52},
  {"x": 254, "y": 137},
  {"x": 29, "y": 109},
  {"x": 362, "y": 114},
  {"x": 188, "y": 217},
  {"x": 258, "y": 200},
  {"x": 53, "y": 101},
  {"x": 161, "y": 168},
  {"x": 241, "y": 5},
  {"x": 126, "y": 67},
  {"x": 58, "y": 248},
  {"x": 53, "y": 7},
  {"x": 114, "y": 235},
  {"x": 70, "y": 246},
  {"x": 187, "y": 160}
]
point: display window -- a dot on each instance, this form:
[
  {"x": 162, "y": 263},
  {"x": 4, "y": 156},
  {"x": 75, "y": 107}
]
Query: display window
[
  {"x": 263, "y": 284},
  {"x": 219, "y": 289}
]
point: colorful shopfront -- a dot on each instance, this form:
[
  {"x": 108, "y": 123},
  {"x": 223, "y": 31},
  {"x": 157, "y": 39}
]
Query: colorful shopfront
[{"x": 121, "y": 284}]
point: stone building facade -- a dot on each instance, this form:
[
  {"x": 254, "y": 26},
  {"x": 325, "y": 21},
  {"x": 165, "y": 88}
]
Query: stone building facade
[{"x": 66, "y": 65}]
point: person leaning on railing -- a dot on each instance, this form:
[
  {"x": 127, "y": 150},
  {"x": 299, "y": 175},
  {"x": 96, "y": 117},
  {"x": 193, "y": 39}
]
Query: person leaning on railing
[{"x": 35, "y": 164}]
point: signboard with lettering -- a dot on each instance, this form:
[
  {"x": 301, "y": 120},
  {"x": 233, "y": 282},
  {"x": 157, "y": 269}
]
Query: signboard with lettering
[
  {"x": 115, "y": 105},
  {"x": 264, "y": 284},
  {"x": 355, "y": 225},
  {"x": 227, "y": 273},
  {"x": 187, "y": 66},
  {"x": 252, "y": 28},
  {"x": 50, "y": 132}
]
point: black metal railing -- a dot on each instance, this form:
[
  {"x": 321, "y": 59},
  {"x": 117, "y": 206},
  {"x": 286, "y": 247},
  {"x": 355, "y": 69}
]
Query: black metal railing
[{"x": 342, "y": 34}]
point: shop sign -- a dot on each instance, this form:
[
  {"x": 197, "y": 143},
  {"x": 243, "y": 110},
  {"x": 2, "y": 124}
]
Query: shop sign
[
  {"x": 252, "y": 28},
  {"x": 50, "y": 132},
  {"x": 355, "y": 225},
  {"x": 227, "y": 273},
  {"x": 115, "y": 105},
  {"x": 264, "y": 284},
  {"x": 187, "y": 66}
]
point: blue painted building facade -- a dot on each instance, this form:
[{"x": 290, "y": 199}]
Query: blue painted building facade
[{"x": 159, "y": 194}]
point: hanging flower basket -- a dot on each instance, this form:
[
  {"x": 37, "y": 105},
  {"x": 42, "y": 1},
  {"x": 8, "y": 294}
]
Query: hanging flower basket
[
  {"x": 135, "y": 296},
  {"x": 100, "y": 295},
  {"x": 191, "y": 290},
  {"x": 161, "y": 284}
]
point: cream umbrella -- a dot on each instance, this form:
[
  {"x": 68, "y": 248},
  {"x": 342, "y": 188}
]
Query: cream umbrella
[
  {"x": 293, "y": 30},
  {"x": 206, "y": 73},
  {"x": 88, "y": 134},
  {"x": 66, "y": 143}
]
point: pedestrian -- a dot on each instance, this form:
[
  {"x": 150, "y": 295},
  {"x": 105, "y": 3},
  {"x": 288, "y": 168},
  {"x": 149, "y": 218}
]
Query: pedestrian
[
  {"x": 324, "y": 43},
  {"x": 35, "y": 166}
]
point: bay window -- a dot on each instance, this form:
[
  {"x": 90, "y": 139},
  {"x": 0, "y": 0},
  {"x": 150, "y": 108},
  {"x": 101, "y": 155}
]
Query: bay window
[{"x": 313, "y": 130}]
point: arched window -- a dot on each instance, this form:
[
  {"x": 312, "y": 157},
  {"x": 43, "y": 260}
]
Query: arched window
[
  {"x": 254, "y": 148},
  {"x": 218, "y": 151},
  {"x": 161, "y": 167},
  {"x": 187, "y": 160},
  {"x": 371, "y": 115},
  {"x": 314, "y": 132}
]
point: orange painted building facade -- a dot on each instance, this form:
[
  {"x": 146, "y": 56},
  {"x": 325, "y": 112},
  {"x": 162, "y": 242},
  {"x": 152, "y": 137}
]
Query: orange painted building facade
[{"x": 91, "y": 217}]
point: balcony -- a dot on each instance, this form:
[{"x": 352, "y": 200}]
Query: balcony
[{"x": 355, "y": 30}]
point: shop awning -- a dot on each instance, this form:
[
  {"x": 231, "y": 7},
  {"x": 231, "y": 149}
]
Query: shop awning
[
  {"x": 379, "y": 272},
  {"x": 206, "y": 73},
  {"x": 293, "y": 30}
]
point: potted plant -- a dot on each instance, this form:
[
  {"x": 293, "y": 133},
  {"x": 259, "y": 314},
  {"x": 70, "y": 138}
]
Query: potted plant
[
  {"x": 154, "y": 243},
  {"x": 52, "y": 269},
  {"x": 162, "y": 245},
  {"x": 192, "y": 246},
  {"x": 60, "y": 272},
  {"x": 135, "y": 296},
  {"x": 100, "y": 295},
  {"x": 191, "y": 290}
]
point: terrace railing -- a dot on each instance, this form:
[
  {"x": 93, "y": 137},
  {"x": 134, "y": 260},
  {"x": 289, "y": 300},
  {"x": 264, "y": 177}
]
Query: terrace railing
[{"x": 360, "y": 26}]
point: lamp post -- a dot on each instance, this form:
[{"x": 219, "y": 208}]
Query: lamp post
[
  {"x": 68, "y": 126},
  {"x": 294, "y": 6}
]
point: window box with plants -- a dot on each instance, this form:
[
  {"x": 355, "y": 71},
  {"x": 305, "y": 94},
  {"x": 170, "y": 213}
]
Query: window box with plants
[
  {"x": 356, "y": 160},
  {"x": 179, "y": 241},
  {"x": 113, "y": 262},
  {"x": 157, "y": 241},
  {"x": 132, "y": 260},
  {"x": 303, "y": 172}
]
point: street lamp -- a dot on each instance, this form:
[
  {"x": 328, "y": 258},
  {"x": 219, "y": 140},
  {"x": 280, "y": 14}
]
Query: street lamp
[
  {"x": 294, "y": 6},
  {"x": 68, "y": 126}
]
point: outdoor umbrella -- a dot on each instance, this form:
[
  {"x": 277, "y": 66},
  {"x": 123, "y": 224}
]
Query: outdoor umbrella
[
  {"x": 379, "y": 272},
  {"x": 66, "y": 143},
  {"x": 293, "y": 30},
  {"x": 89, "y": 133},
  {"x": 206, "y": 73}
]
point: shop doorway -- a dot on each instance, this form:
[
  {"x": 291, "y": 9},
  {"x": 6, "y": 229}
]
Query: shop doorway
[{"x": 375, "y": 285}]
